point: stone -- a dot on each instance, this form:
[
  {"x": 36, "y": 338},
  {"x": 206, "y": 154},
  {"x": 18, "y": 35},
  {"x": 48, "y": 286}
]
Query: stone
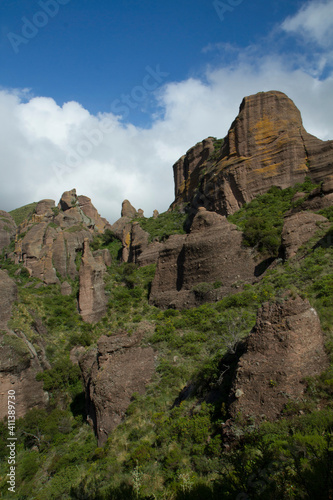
[
  {"x": 66, "y": 288},
  {"x": 298, "y": 229},
  {"x": 92, "y": 298},
  {"x": 189, "y": 265},
  {"x": 100, "y": 224},
  {"x": 285, "y": 346},
  {"x": 156, "y": 214},
  {"x": 112, "y": 373},
  {"x": 19, "y": 365},
  {"x": 266, "y": 146},
  {"x": 68, "y": 200},
  {"x": 44, "y": 207},
  {"x": 127, "y": 210}
]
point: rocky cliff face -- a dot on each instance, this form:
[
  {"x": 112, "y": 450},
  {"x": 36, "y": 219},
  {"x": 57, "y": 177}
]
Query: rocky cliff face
[
  {"x": 204, "y": 265},
  {"x": 266, "y": 145},
  {"x": 49, "y": 243},
  {"x": 19, "y": 361},
  {"x": 113, "y": 372},
  {"x": 285, "y": 347},
  {"x": 92, "y": 298}
]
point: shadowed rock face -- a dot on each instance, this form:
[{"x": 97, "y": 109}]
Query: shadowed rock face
[
  {"x": 284, "y": 348},
  {"x": 19, "y": 362},
  {"x": 112, "y": 373},
  {"x": 266, "y": 145},
  {"x": 189, "y": 265}
]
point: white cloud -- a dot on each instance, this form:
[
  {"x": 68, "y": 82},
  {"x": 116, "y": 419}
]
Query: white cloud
[
  {"x": 314, "y": 20},
  {"x": 134, "y": 163}
]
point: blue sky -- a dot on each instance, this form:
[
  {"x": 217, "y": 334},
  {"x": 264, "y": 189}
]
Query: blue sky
[{"x": 163, "y": 74}]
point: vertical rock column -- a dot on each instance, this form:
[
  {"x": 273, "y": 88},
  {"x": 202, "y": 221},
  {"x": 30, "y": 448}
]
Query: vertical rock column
[{"x": 92, "y": 299}]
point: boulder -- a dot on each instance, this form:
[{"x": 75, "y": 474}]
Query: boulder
[
  {"x": 298, "y": 229},
  {"x": 112, "y": 373},
  {"x": 285, "y": 346},
  {"x": 127, "y": 210},
  {"x": 100, "y": 224},
  {"x": 68, "y": 200}
]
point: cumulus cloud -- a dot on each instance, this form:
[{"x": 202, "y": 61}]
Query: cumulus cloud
[
  {"x": 314, "y": 20},
  {"x": 47, "y": 149}
]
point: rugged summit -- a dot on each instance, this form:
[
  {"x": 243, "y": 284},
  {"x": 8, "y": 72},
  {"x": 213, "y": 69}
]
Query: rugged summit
[{"x": 266, "y": 145}]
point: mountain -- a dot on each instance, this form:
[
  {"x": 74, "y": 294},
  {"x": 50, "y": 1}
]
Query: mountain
[{"x": 185, "y": 355}]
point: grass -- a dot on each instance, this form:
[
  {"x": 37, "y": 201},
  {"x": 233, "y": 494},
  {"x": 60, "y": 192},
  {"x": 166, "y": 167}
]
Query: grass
[
  {"x": 170, "y": 444},
  {"x": 23, "y": 213}
]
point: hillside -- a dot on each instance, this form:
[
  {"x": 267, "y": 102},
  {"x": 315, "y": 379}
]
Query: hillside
[{"x": 184, "y": 356}]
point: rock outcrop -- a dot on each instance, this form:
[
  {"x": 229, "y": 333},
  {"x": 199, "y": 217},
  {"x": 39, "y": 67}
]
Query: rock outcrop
[
  {"x": 7, "y": 229},
  {"x": 298, "y": 229},
  {"x": 206, "y": 264},
  {"x": 48, "y": 244},
  {"x": 266, "y": 145},
  {"x": 285, "y": 346},
  {"x": 19, "y": 365},
  {"x": 92, "y": 298},
  {"x": 112, "y": 373}
]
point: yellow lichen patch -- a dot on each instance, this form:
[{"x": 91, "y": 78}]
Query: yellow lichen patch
[
  {"x": 265, "y": 131},
  {"x": 269, "y": 171},
  {"x": 302, "y": 168},
  {"x": 128, "y": 239}
]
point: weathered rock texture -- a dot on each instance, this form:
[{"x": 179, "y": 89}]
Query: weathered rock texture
[
  {"x": 266, "y": 145},
  {"x": 92, "y": 298},
  {"x": 50, "y": 242},
  {"x": 284, "y": 348},
  {"x": 112, "y": 373},
  {"x": 189, "y": 265},
  {"x": 298, "y": 229},
  {"x": 7, "y": 229},
  {"x": 19, "y": 365}
]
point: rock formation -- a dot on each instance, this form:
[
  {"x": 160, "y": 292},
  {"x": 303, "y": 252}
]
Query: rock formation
[
  {"x": 51, "y": 246},
  {"x": 112, "y": 373},
  {"x": 92, "y": 298},
  {"x": 19, "y": 362},
  {"x": 266, "y": 145},
  {"x": 285, "y": 346},
  {"x": 190, "y": 265},
  {"x": 19, "y": 365},
  {"x": 298, "y": 229}
]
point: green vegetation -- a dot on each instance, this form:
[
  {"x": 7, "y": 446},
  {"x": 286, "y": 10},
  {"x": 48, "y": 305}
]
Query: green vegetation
[
  {"x": 170, "y": 444},
  {"x": 261, "y": 220},
  {"x": 23, "y": 213},
  {"x": 164, "y": 225},
  {"x": 218, "y": 143}
]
